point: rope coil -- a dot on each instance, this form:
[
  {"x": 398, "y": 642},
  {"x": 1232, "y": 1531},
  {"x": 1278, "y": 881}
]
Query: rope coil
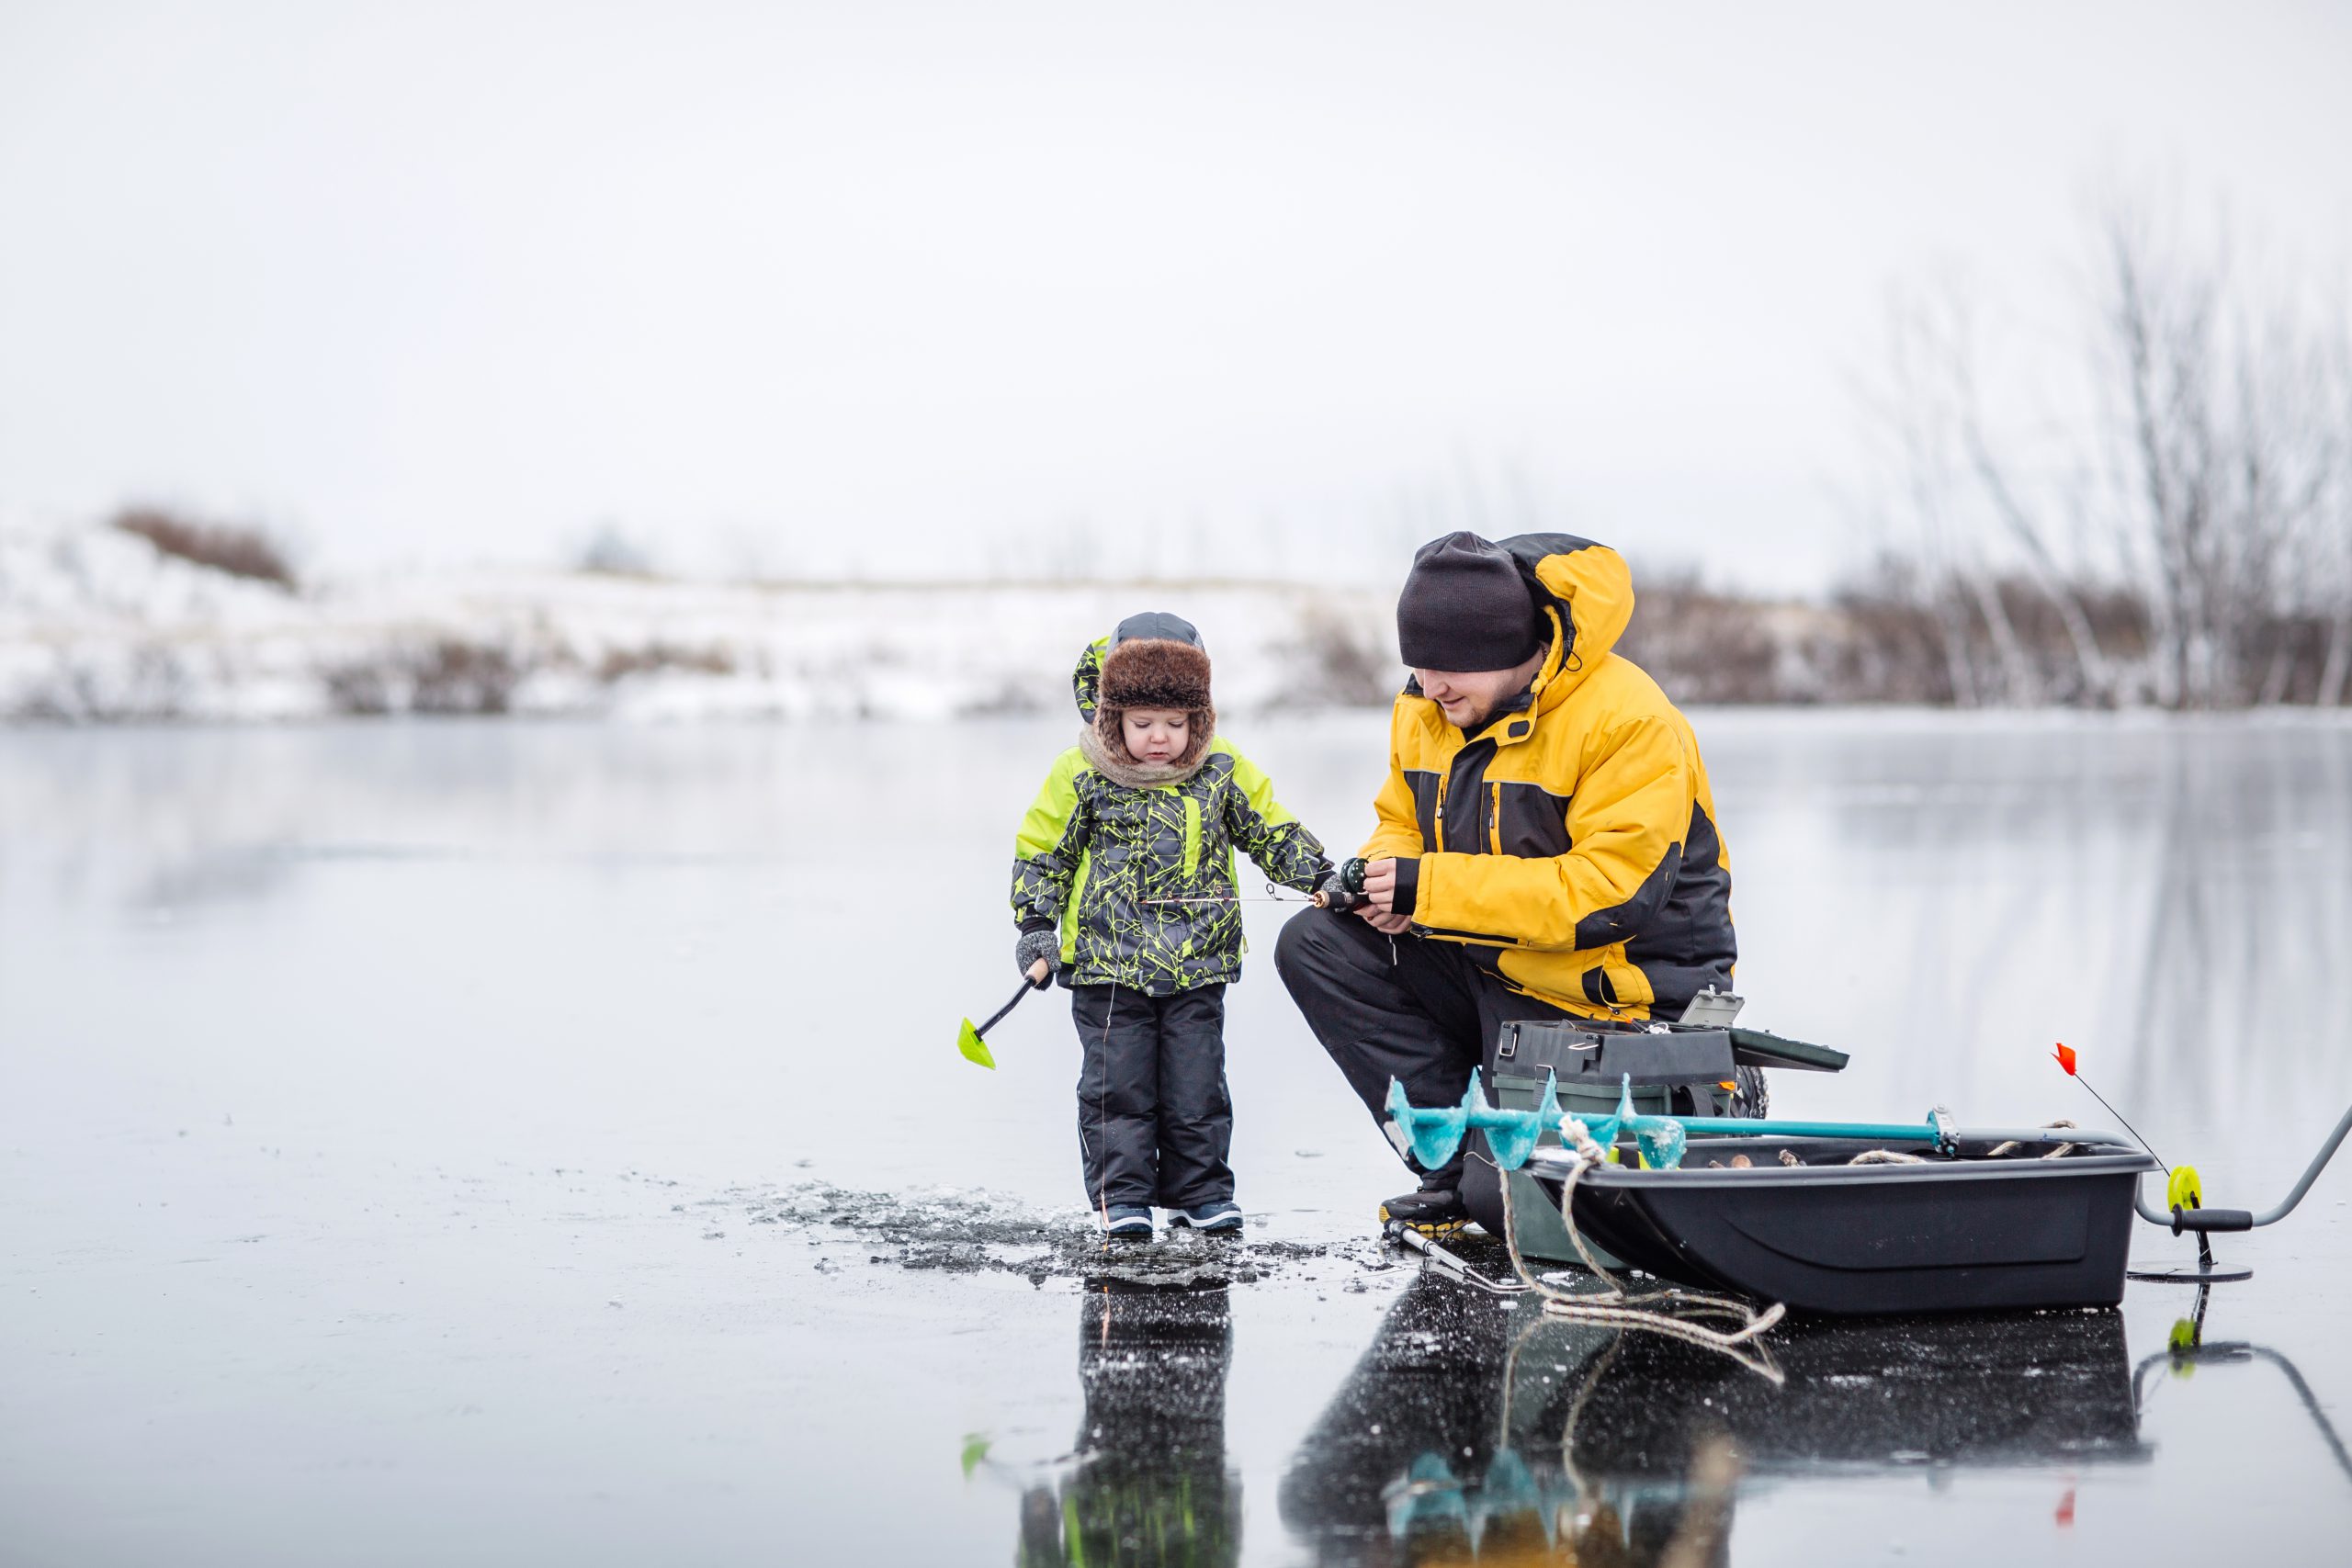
[
  {"x": 1684, "y": 1315},
  {"x": 2012, "y": 1146}
]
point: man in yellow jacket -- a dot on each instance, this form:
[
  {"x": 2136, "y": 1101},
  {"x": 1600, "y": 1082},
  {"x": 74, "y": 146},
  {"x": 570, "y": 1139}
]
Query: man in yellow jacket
[{"x": 1546, "y": 844}]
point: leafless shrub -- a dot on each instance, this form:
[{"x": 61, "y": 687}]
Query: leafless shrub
[
  {"x": 449, "y": 675},
  {"x": 1338, "y": 661},
  {"x": 1703, "y": 646},
  {"x": 619, "y": 663},
  {"x": 455, "y": 676},
  {"x": 153, "y": 685},
  {"x": 236, "y": 549},
  {"x": 360, "y": 689},
  {"x": 1885, "y": 642},
  {"x": 1895, "y": 634}
]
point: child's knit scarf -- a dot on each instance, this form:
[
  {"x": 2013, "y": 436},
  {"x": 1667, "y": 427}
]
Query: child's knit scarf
[{"x": 1124, "y": 770}]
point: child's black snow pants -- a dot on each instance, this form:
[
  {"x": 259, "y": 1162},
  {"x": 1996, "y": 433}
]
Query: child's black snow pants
[{"x": 1154, "y": 1123}]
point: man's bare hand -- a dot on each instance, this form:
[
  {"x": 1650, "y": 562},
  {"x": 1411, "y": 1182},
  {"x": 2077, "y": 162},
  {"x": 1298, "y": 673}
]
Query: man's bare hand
[{"x": 1380, "y": 899}]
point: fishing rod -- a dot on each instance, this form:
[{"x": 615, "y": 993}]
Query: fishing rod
[
  {"x": 1351, "y": 875},
  {"x": 1274, "y": 895}
]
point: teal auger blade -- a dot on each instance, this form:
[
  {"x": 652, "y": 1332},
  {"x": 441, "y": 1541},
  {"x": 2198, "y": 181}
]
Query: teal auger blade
[
  {"x": 1602, "y": 1129},
  {"x": 1661, "y": 1138},
  {"x": 1512, "y": 1135},
  {"x": 1432, "y": 1131}
]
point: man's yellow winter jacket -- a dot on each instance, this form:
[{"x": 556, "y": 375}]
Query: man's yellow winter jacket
[{"x": 1570, "y": 839}]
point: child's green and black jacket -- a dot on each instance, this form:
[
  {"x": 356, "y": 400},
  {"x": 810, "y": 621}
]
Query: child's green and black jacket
[{"x": 1092, "y": 855}]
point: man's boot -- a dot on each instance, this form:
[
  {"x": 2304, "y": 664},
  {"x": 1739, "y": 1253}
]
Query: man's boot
[{"x": 1433, "y": 1212}]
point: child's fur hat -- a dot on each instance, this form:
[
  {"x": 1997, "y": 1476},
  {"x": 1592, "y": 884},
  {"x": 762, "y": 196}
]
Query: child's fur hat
[{"x": 1156, "y": 672}]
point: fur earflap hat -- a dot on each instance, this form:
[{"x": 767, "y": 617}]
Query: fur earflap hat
[{"x": 1157, "y": 672}]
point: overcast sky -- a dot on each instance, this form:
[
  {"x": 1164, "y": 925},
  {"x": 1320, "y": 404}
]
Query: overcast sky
[{"x": 1250, "y": 287}]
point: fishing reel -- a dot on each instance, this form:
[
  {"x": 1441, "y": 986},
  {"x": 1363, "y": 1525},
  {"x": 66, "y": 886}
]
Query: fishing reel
[{"x": 1351, "y": 893}]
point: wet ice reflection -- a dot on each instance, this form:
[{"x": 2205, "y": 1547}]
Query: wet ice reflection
[{"x": 330, "y": 1056}]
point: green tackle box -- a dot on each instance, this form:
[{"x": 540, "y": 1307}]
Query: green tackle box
[{"x": 1675, "y": 1072}]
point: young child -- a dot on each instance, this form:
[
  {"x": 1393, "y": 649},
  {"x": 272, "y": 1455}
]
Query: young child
[{"x": 1123, "y": 884}]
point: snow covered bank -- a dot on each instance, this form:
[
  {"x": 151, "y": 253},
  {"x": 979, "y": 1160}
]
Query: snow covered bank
[{"x": 98, "y": 626}]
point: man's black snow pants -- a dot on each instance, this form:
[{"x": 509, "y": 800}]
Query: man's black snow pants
[
  {"x": 1418, "y": 1010},
  {"x": 1154, "y": 1119}
]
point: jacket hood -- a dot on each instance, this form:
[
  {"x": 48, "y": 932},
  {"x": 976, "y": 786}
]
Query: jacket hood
[
  {"x": 1586, "y": 592},
  {"x": 1589, "y": 590},
  {"x": 1086, "y": 681}
]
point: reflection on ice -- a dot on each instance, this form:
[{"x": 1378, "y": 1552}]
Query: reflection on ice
[
  {"x": 1470, "y": 1429},
  {"x": 1148, "y": 1480},
  {"x": 2187, "y": 1349},
  {"x": 396, "y": 950}
]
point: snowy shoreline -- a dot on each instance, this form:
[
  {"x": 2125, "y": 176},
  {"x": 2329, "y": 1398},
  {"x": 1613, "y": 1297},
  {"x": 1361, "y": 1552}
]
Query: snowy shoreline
[{"x": 98, "y": 626}]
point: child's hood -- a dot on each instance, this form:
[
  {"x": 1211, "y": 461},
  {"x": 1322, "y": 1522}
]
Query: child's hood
[{"x": 1086, "y": 681}]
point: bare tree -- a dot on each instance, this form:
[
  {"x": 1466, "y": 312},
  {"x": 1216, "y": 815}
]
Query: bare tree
[
  {"x": 2226, "y": 456},
  {"x": 2184, "y": 537},
  {"x": 1920, "y": 410}
]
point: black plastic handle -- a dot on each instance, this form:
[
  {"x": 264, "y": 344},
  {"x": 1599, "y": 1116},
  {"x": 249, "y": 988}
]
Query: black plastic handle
[
  {"x": 1027, "y": 986},
  {"x": 2212, "y": 1220}
]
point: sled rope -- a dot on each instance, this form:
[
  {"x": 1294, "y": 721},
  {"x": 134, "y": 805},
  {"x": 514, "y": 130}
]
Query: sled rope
[
  {"x": 1997, "y": 1150},
  {"x": 1676, "y": 1313}
]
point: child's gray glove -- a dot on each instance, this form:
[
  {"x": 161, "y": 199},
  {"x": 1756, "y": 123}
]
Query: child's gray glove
[
  {"x": 1332, "y": 893},
  {"x": 1034, "y": 945}
]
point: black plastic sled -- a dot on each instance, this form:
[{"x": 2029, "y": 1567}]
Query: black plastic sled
[{"x": 1965, "y": 1231}]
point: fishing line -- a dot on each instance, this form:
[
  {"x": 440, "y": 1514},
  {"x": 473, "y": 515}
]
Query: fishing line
[
  {"x": 1274, "y": 895},
  {"x": 2066, "y": 1061}
]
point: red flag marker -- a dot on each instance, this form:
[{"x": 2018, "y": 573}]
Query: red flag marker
[{"x": 2063, "y": 1055}]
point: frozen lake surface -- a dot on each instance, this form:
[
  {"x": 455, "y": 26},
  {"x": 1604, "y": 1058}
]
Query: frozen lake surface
[{"x": 505, "y": 1142}]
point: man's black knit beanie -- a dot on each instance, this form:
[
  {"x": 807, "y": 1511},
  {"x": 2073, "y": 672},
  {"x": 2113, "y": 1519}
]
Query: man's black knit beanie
[{"x": 1465, "y": 607}]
